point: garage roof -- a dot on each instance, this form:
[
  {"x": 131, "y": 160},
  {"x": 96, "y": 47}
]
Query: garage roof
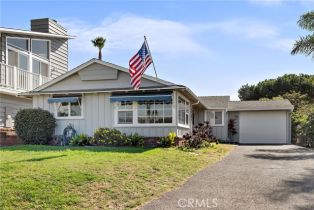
[
  {"x": 259, "y": 105},
  {"x": 215, "y": 102}
]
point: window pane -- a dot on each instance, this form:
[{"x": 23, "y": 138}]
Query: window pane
[
  {"x": 23, "y": 62},
  {"x": 159, "y": 120},
  {"x": 76, "y": 109},
  {"x": 168, "y": 112},
  {"x": 125, "y": 117},
  {"x": 12, "y": 58},
  {"x": 168, "y": 120},
  {"x": 18, "y": 43},
  {"x": 218, "y": 118},
  {"x": 36, "y": 66},
  {"x": 125, "y": 105},
  {"x": 41, "y": 48},
  {"x": 44, "y": 69},
  {"x": 63, "y": 109}
]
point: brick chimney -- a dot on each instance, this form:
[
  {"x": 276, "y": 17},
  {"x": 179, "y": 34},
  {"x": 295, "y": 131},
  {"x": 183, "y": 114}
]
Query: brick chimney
[{"x": 47, "y": 25}]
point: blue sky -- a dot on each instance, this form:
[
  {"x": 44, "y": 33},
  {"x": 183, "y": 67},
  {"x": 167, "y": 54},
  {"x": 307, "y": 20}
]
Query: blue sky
[{"x": 213, "y": 47}]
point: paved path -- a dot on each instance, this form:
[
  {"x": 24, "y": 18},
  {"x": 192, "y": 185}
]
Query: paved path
[{"x": 251, "y": 177}]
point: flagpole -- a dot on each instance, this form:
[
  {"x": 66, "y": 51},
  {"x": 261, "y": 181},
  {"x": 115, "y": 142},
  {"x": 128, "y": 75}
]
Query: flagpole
[{"x": 145, "y": 40}]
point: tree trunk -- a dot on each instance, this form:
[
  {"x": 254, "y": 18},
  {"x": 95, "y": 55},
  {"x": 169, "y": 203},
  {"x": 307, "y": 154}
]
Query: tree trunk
[{"x": 99, "y": 55}]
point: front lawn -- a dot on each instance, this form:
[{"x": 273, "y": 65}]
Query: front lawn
[{"x": 47, "y": 177}]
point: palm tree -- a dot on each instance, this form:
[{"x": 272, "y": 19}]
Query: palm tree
[
  {"x": 99, "y": 42},
  {"x": 305, "y": 45}
]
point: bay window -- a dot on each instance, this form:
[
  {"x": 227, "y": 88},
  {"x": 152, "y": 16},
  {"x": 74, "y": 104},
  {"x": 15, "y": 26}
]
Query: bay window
[{"x": 183, "y": 111}]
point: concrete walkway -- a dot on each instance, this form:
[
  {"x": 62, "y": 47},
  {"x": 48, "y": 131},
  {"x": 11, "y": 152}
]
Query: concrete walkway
[{"x": 251, "y": 177}]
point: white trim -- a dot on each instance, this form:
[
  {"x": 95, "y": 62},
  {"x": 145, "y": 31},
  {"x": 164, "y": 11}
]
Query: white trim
[
  {"x": 189, "y": 108},
  {"x": 34, "y": 33},
  {"x": 135, "y": 117}
]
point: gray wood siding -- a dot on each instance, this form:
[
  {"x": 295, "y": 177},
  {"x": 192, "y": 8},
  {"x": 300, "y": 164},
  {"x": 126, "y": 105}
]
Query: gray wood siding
[
  {"x": 58, "y": 52},
  {"x": 10, "y": 105},
  {"x": 74, "y": 82},
  {"x": 47, "y": 25},
  {"x": 99, "y": 112}
]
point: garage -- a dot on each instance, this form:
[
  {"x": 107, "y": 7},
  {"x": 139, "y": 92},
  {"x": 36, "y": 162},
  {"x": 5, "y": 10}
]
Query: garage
[
  {"x": 261, "y": 122},
  {"x": 263, "y": 127}
]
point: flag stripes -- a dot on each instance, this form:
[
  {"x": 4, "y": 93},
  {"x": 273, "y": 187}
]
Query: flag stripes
[{"x": 138, "y": 64}]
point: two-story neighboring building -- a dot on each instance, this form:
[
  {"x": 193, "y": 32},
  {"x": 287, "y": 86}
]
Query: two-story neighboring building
[{"x": 29, "y": 59}]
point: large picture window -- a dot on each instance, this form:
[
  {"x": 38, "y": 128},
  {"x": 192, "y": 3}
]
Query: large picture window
[
  {"x": 154, "y": 112},
  {"x": 184, "y": 111},
  {"x": 19, "y": 43},
  {"x": 125, "y": 112}
]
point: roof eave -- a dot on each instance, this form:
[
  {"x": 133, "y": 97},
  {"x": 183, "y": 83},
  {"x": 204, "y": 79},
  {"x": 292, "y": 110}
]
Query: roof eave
[{"x": 34, "y": 33}]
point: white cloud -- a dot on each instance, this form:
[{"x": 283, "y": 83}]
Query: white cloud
[
  {"x": 283, "y": 44},
  {"x": 126, "y": 33}
]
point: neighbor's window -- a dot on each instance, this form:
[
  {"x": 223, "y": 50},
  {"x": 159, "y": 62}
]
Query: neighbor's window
[
  {"x": 40, "y": 48},
  {"x": 218, "y": 118},
  {"x": 19, "y": 43},
  {"x": 184, "y": 111},
  {"x": 70, "y": 109},
  {"x": 154, "y": 112},
  {"x": 125, "y": 112}
]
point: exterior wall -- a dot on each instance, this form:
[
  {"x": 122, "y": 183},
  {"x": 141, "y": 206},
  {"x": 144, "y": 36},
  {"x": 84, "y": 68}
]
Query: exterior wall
[
  {"x": 58, "y": 52},
  {"x": 219, "y": 131},
  {"x": 98, "y": 111},
  {"x": 9, "y": 106},
  {"x": 75, "y": 82},
  {"x": 264, "y": 127}
]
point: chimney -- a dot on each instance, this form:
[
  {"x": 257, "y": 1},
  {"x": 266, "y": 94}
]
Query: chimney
[{"x": 47, "y": 25}]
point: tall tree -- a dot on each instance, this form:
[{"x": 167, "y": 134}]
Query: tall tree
[
  {"x": 99, "y": 42},
  {"x": 305, "y": 45}
]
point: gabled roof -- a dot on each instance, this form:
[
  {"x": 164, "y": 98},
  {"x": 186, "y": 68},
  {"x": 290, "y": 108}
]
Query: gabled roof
[
  {"x": 33, "y": 33},
  {"x": 94, "y": 60},
  {"x": 215, "y": 102},
  {"x": 259, "y": 105}
]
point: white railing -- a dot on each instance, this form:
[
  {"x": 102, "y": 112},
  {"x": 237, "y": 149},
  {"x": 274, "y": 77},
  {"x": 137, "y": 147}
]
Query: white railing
[{"x": 18, "y": 79}]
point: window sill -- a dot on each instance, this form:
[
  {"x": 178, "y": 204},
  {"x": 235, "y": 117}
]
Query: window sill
[
  {"x": 184, "y": 126},
  {"x": 144, "y": 125},
  {"x": 218, "y": 125}
]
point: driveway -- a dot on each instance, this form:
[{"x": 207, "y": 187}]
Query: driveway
[{"x": 251, "y": 177}]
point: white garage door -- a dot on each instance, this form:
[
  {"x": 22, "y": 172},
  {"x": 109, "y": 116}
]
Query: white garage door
[{"x": 263, "y": 127}]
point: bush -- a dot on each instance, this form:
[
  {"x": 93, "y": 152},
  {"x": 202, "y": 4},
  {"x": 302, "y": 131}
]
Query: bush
[
  {"x": 169, "y": 140},
  {"x": 309, "y": 131},
  {"x": 136, "y": 140},
  {"x": 35, "y": 126},
  {"x": 201, "y": 136},
  {"x": 109, "y": 137},
  {"x": 81, "y": 140}
]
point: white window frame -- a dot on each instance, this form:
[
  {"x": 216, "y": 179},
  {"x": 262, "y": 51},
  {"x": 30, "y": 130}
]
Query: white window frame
[
  {"x": 69, "y": 108},
  {"x": 117, "y": 110},
  {"x": 214, "y": 112},
  {"x": 29, "y": 53},
  {"x": 187, "y": 107},
  {"x": 135, "y": 118},
  {"x": 49, "y": 49}
]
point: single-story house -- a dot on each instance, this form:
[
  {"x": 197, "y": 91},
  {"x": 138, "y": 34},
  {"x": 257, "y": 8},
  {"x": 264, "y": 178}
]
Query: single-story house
[{"x": 98, "y": 94}]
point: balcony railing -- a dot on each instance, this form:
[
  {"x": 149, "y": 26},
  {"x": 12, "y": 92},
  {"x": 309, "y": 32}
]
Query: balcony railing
[{"x": 20, "y": 80}]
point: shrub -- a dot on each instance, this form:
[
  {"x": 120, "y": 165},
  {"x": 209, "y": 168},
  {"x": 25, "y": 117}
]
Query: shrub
[
  {"x": 81, "y": 140},
  {"x": 109, "y": 137},
  {"x": 309, "y": 131},
  {"x": 201, "y": 136},
  {"x": 136, "y": 140},
  {"x": 169, "y": 140},
  {"x": 35, "y": 126}
]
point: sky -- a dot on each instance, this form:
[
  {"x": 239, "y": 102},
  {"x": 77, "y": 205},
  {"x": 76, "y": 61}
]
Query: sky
[{"x": 213, "y": 47}]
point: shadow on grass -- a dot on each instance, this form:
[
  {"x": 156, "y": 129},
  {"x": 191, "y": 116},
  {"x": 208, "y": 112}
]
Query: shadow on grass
[
  {"x": 43, "y": 148},
  {"x": 300, "y": 187},
  {"x": 39, "y": 159}
]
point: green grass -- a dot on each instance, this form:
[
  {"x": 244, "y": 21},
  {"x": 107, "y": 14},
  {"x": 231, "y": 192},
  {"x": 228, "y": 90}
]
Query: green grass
[{"x": 48, "y": 177}]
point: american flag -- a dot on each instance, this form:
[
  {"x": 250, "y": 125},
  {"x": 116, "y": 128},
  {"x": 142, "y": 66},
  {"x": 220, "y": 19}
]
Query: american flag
[{"x": 138, "y": 64}]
